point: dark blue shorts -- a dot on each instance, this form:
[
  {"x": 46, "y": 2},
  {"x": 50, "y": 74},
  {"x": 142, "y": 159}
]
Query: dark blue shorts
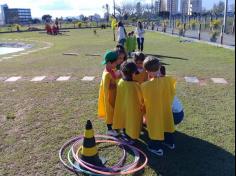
[{"x": 178, "y": 117}]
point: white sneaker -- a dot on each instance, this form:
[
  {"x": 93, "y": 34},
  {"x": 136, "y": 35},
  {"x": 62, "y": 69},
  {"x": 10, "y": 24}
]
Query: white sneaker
[
  {"x": 170, "y": 146},
  {"x": 158, "y": 152},
  {"x": 112, "y": 133}
]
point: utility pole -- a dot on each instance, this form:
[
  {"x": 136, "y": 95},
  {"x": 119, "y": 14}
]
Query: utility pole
[
  {"x": 114, "y": 4},
  {"x": 190, "y": 10},
  {"x": 170, "y": 11},
  {"x": 114, "y": 33},
  {"x": 224, "y": 23},
  {"x": 225, "y": 16}
]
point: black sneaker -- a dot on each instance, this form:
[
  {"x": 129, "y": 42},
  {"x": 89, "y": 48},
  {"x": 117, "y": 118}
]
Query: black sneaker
[
  {"x": 169, "y": 146},
  {"x": 156, "y": 151}
]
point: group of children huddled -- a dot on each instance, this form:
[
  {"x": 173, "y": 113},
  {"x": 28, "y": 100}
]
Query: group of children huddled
[
  {"x": 52, "y": 29},
  {"x": 136, "y": 94}
]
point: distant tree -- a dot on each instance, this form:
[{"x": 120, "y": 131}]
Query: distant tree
[
  {"x": 69, "y": 19},
  {"x": 107, "y": 14},
  {"x": 218, "y": 9},
  {"x": 125, "y": 9},
  {"x": 139, "y": 9},
  {"x": 97, "y": 17},
  {"x": 86, "y": 19},
  {"x": 36, "y": 21},
  {"x": 46, "y": 18},
  {"x": 81, "y": 17}
]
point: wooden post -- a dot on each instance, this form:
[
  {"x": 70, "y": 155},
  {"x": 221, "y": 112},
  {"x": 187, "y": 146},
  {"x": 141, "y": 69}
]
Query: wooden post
[
  {"x": 222, "y": 35},
  {"x": 205, "y": 22},
  {"x": 184, "y": 29},
  {"x": 114, "y": 35},
  {"x": 233, "y": 27},
  {"x": 199, "y": 32},
  {"x": 173, "y": 26}
]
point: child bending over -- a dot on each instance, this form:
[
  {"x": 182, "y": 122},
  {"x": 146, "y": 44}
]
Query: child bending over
[
  {"x": 128, "y": 107},
  {"x": 158, "y": 94},
  {"x": 142, "y": 75}
]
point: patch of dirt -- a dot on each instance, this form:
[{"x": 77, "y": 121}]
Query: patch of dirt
[{"x": 203, "y": 82}]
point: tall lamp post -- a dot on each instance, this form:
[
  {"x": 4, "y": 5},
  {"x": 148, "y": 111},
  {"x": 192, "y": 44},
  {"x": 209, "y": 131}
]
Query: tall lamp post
[
  {"x": 170, "y": 11},
  {"x": 225, "y": 15},
  {"x": 114, "y": 4},
  {"x": 223, "y": 30}
]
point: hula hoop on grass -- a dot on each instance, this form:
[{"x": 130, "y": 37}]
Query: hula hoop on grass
[{"x": 88, "y": 168}]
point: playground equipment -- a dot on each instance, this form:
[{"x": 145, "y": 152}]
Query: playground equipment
[{"x": 80, "y": 155}]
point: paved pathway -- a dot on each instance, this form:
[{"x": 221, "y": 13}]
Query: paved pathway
[
  {"x": 229, "y": 40},
  {"x": 66, "y": 78}
]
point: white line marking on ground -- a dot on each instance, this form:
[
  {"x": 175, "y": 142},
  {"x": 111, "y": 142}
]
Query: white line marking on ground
[
  {"x": 32, "y": 51},
  {"x": 63, "y": 78},
  {"x": 7, "y": 57},
  {"x": 38, "y": 78},
  {"x": 191, "y": 79},
  {"x": 88, "y": 78},
  {"x": 2, "y": 78},
  {"x": 219, "y": 80},
  {"x": 24, "y": 53},
  {"x": 13, "y": 79}
]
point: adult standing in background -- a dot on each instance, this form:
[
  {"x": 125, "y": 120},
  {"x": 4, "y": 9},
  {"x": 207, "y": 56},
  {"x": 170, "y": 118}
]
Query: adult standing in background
[
  {"x": 140, "y": 35},
  {"x": 121, "y": 33}
]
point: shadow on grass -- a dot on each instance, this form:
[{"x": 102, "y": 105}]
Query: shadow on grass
[
  {"x": 169, "y": 57},
  {"x": 163, "y": 63},
  {"x": 193, "y": 157}
]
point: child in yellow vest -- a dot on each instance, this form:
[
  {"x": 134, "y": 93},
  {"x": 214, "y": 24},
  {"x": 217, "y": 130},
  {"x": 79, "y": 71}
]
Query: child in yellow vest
[
  {"x": 142, "y": 75},
  {"x": 107, "y": 92},
  {"x": 122, "y": 56},
  {"x": 158, "y": 94},
  {"x": 128, "y": 107},
  {"x": 177, "y": 107}
]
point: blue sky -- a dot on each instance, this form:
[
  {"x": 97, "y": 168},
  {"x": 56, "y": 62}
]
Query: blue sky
[{"x": 65, "y": 8}]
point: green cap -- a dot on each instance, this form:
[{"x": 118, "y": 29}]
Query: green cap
[{"x": 109, "y": 56}]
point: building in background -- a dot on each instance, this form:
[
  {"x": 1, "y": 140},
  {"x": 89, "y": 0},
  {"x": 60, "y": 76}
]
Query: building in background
[
  {"x": 157, "y": 6},
  {"x": 15, "y": 15},
  {"x": 169, "y": 6},
  {"x": 2, "y": 14},
  {"x": 195, "y": 6}
]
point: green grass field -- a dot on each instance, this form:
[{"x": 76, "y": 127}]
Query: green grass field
[{"x": 47, "y": 114}]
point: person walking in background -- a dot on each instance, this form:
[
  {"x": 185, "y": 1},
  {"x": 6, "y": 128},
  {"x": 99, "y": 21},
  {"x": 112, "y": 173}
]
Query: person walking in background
[
  {"x": 121, "y": 34},
  {"x": 140, "y": 36},
  {"x": 130, "y": 43}
]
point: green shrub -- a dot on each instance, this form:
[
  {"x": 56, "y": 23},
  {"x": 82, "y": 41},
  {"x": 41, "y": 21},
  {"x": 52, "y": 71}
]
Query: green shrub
[
  {"x": 215, "y": 24},
  {"x": 181, "y": 30},
  {"x": 193, "y": 24},
  {"x": 178, "y": 23},
  {"x": 79, "y": 24},
  {"x": 214, "y": 35}
]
